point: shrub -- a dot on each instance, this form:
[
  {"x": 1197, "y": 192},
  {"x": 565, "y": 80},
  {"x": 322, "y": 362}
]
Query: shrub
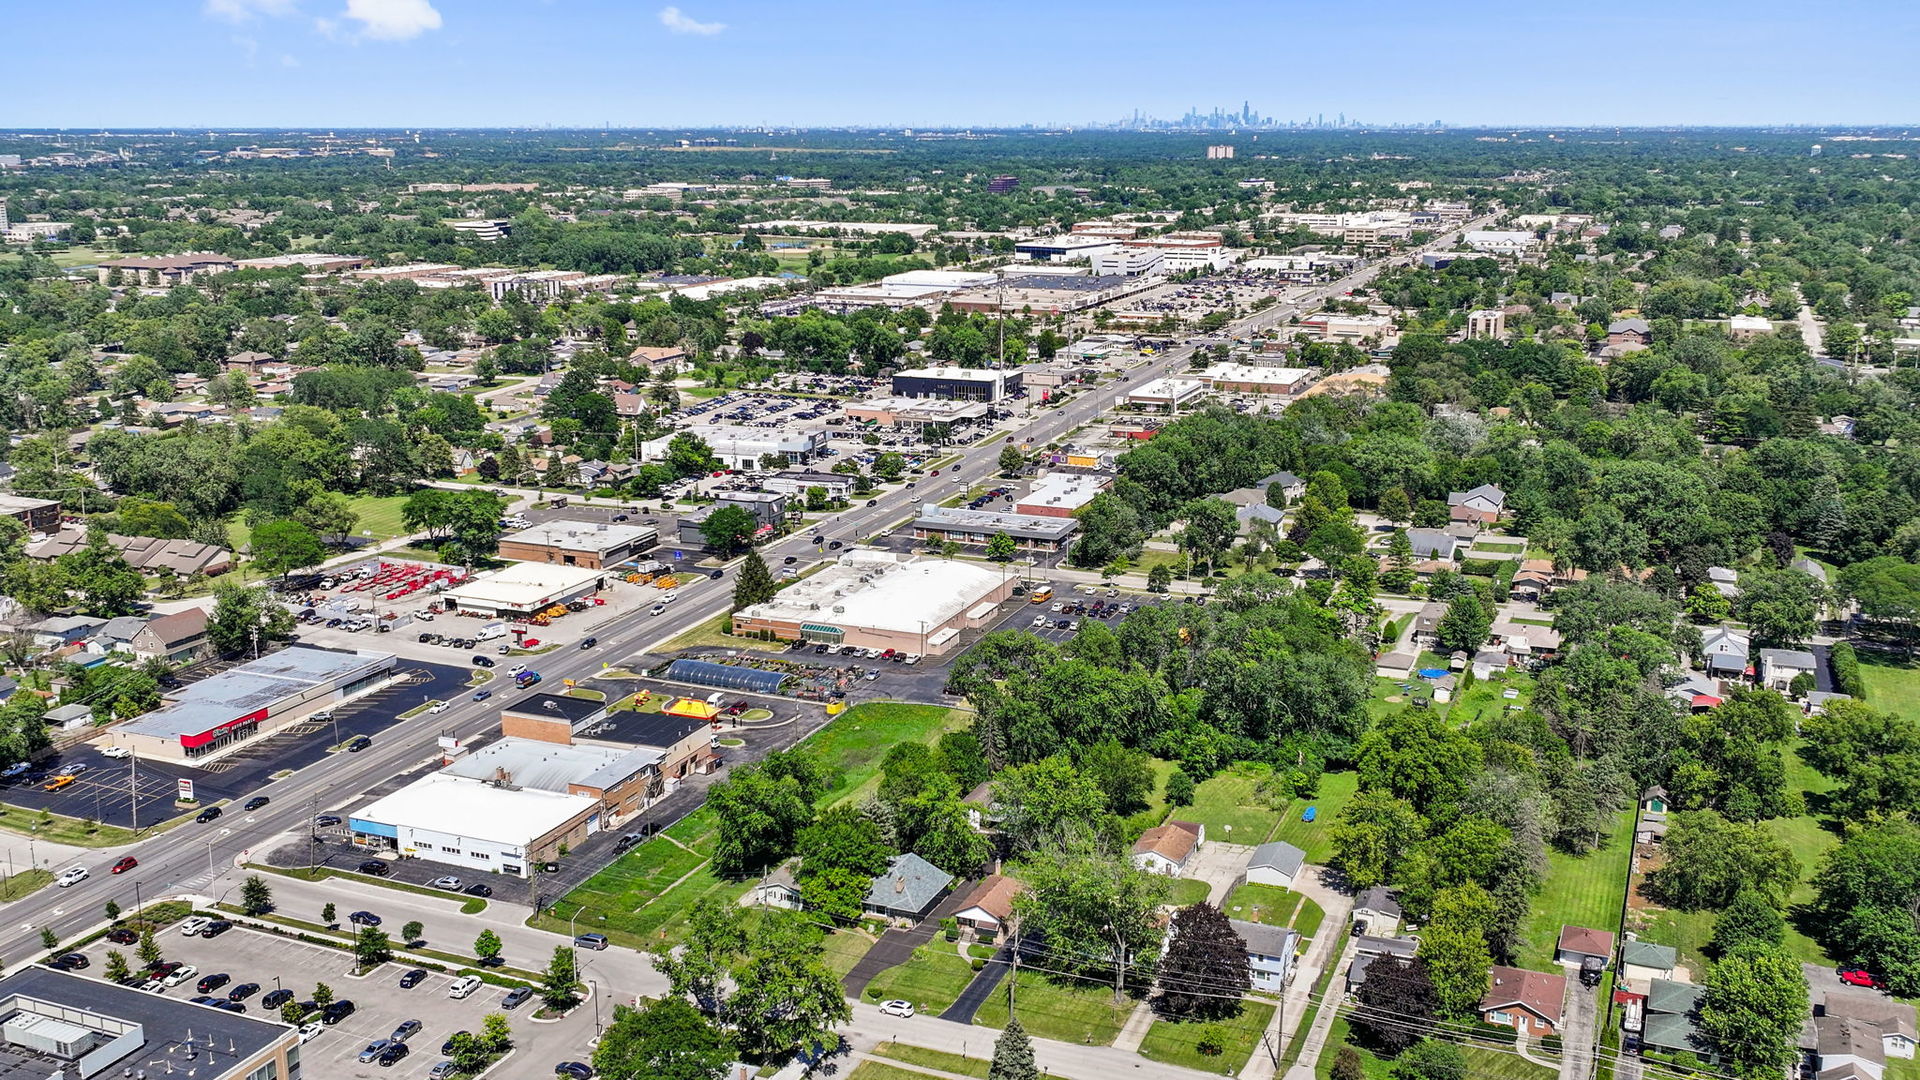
[
  {"x": 1211, "y": 1041},
  {"x": 1846, "y": 670}
]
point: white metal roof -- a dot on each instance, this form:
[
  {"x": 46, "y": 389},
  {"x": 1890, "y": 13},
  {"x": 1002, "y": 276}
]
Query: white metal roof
[
  {"x": 523, "y": 584},
  {"x": 457, "y": 806},
  {"x": 899, "y": 593}
]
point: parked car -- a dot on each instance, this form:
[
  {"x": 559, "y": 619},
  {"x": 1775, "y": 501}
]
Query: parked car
[
  {"x": 192, "y": 925},
  {"x": 243, "y": 991},
  {"x": 478, "y": 890},
  {"x": 408, "y": 1028},
  {"x": 447, "y": 882},
  {"x": 336, "y": 1012},
  {"x": 213, "y": 982},
  {"x": 276, "y": 998},
  {"x": 1859, "y": 976},
  {"x": 326, "y": 821},
  {"x": 590, "y": 941},
  {"x": 376, "y": 868},
  {"x": 896, "y": 1007},
  {"x": 516, "y": 997},
  {"x": 483, "y": 661},
  {"x": 72, "y": 961},
  {"x": 216, "y": 928},
  {"x": 120, "y": 935},
  {"x": 463, "y": 986},
  {"x": 373, "y": 1051},
  {"x": 413, "y": 978},
  {"x": 574, "y": 1070}
]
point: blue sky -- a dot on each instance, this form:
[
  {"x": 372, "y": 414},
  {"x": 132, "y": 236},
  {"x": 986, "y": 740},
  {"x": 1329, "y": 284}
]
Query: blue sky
[{"x": 645, "y": 63}]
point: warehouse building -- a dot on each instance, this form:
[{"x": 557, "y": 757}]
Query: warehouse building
[
  {"x": 880, "y": 600},
  {"x": 1060, "y": 494},
  {"x": 1256, "y": 379},
  {"x": 204, "y": 719},
  {"x": 1169, "y": 393},
  {"x": 969, "y": 384},
  {"x": 977, "y": 527},
  {"x": 476, "y": 824},
  {"x": 594, "y": 545},
  {"x": 56, "y": 1024},
  {"x": 743, "y": 447},
  {"x": 520, "y": 590}
]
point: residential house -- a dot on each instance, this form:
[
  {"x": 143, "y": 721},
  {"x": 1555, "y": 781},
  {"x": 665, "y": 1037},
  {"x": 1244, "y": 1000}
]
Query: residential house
[
  {"x": 657, "y": 355},
  {"x": 174, "y": 638},
  {"x": 779, "y": 889},
  {"x": 1779, "y": 667},
  {"x": 1166, "y": 849},
  {"x": 1654, "y": 801},
  {"x": 1531, "y": 583},
  {"x": 1645, "y": 961},
  {"x": 1892, "y": 1021},
  {"x": 1527, "y": 1001},
  {"x": 1277, "y": 863},
  {"x": 1433, "y": 543},
  {"x": 1652, "y": 826},
  {"x": 1725, "y": 581},
  {"x": 1725, "y": 652},
  {"x": 1629, "y": 332},
  {"x": 979, "y": 804},
  {"x": 985, "y": 911},
  {"x": 1426, "y": 624},
  {"x": 1247, "y": 515},
  {"x": 55, "y": 631},
  {"x": 118, "y": 634},
  {"x": 907, "y": 889},
  {"x": 1480, "y": 506},
  {"x": 1270, "y": 953},
  {"x": 1368, "y": 949},
  {"x": 1581, "y": 944},
  {"x": 1291, "y": 485},
  {"x": 1376, "y": 910},
  {"x": 1489, "y": 662},
  {"x": 1671, "y": 1019}
]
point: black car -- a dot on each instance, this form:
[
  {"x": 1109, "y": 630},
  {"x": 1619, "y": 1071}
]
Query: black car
[
  {"x": 230, "y": 1006},
  {"x": 213, "y": 982},
  {"x": 516, "y": 997},
  {"x": 413, "y": 978},
  {"x": 574, "y": 1070},
  {"x": 208, "y": 814},
  {"x": 336, "y": 1012},
  {"x": 216, "y": 928},
  {"x": 478, "y": 890},
  {"x": 364, "y": 918},
  {"x": 243, "y": 992},
  {"x": 483, "y": 661},
  {"x": 375, "y": 867},
  {"x": 276, "y": 998},
  {"x": 72, "y": 961},
  {"x": 446, "y": 1048},
  {"x": 393, "y": 1053},
  {"x": 789, "y": 560},
  {"x": 359, "y": 743},
  {"x": 717, "y": 575},
  {"x": 589, "y": 643},
  {"x": 325, "y": 821},
  {"x": 256, "y": 802}
]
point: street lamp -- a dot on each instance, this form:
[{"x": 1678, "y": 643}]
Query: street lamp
[{"x": 595, "y": 987}]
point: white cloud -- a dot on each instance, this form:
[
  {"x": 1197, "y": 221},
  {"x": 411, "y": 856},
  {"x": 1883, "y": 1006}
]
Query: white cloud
[
  {"x": 393, "y": 20},
  {"x": 289, "y": 60},
  {"x": 242, "y": 10},
  {"x": 680, "y": 23}
]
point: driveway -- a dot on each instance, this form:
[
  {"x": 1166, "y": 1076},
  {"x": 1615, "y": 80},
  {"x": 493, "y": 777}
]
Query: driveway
[
  {"x": 1220, "y": 865},
  {"x": 1580, "y": 1021},
  {"x": 895, "y": 947},
  {"x": 982, "y": 987}
]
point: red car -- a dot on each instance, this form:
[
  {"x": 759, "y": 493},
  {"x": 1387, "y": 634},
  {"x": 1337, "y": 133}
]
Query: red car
[
  {"x": 125, "y": 865},
  {"x": 1860, "y": 977}
]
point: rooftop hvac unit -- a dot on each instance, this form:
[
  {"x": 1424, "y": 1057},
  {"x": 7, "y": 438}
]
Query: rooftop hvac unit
[{"x": 839, "y": 609}]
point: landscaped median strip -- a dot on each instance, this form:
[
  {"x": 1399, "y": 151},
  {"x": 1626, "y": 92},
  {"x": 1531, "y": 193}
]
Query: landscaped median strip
[{"x": 471, "y": 905}]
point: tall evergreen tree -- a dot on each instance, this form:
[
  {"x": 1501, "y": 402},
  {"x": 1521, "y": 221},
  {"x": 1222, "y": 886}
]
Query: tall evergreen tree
[
  {"x": 754, "y": 584},
  {"x": 1013, "y": 1054}
]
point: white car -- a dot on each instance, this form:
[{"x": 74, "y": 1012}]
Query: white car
[
  {"x": 310, "y": 1032},
  {"x": 448, "y": 882},
  {"x": 658, "y": 609},
  {"x": 896, "y": 1007},
  {"x": 463, "y": 986},
  {"x": 191, "y": 927},
  {"x": 912, "y": 658},
  {"x": 915, "y": 499},
  {"x": 73, "y": 875},
  {"x": 115, "y": 752},
  {"x": 437, "y": 707},
  {"x": 181, "y": 975},
  {"x": 515, "y": 670},
  {"x": 1058, "y": 607},
  {"x": 669, "y": 596},
  {"x": 1039, "y": 621}
]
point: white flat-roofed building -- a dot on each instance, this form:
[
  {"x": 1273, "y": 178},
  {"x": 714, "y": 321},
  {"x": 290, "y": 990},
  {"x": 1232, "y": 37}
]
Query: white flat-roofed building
[
  {"x": 1059, "y": 494},
  {"x": 1742, "y": 327},
  {"x": 1256, "y": 379},
  {"x": 1495, "y": 242},
  {"x": 592, "y": 544},
  {"x": 1072, "y": 247},
  {"x": 880, "y": 600},
  {"x": 964, "y": 526},
  {"x": 623, "y": 778},
  {"x": 709, "y": 290},
  {"x": 1198, "y": 257},
  {"x": 482, "y": 229},
  {"x": 524, "y": 588},
  {"x": 1487, "y": 323},
  {"x": 1352, "y": 329},
  {"x": 796, "y": 482},
  {"x": 1128, "y": 261},
  {"x": 404, "y": 272},
  {"x": 909, "y": 412},
  {"x": 1168, "y": 393},
  {"x": 972, "y": 384},
  {"x": 477, "y": 824},
  {"x": 873, "y": 228},
  {"x": 311, "y": 261},
  {"x": 941, "y": 279},
  {"x": 743, "y": 447}
]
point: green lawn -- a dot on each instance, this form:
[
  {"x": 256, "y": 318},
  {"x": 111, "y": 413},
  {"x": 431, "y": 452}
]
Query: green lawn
[
  {"x": 932, "y": 979},
  {"x": 878, "y": 1070},
  {"x": 1587, "y": 890},
  {"x": 1173, "y": 1042},
  {"x": 1336, "y": 789},
  {"x": 1263, "y": 904},
  {"x": 1070, "y": 1010},
  {"x": 1227, "y": 806},
  {"x": 933, "y": 1059},
  {"x": 1891, "y": 684},
  {"x": 1485, "y": 1061},
  {"x": 379, "y": 520},
  {"x": 1187, "y": 891},
  {"x": 857, "y": 740},
  {"x": 844, "y": 949}
]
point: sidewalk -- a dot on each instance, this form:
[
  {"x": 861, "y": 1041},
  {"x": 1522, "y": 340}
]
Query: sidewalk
[{"x": 870, "y": 1027}]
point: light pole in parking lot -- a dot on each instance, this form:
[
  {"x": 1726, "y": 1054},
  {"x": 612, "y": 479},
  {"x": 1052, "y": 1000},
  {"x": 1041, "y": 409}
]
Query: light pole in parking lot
[{"x": 139, "y": 906}]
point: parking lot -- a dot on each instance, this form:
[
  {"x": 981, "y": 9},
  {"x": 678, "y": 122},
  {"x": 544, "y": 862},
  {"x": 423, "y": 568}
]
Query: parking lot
[
  {"x": 107, "y": 790},
  {"x": 380, "y": 1004}
]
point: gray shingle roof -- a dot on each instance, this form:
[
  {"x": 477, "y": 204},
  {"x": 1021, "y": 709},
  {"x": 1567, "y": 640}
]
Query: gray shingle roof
[
  {"x": 1648, "y": 955},
  {"x": 1279, "y": 856},
  {"x": 910, "y": 884}
]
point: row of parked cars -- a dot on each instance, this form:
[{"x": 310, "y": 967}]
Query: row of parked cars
[{"x": 854, "y": 651}]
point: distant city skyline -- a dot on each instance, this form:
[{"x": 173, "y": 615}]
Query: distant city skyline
[{"x": 712, "y": 63}]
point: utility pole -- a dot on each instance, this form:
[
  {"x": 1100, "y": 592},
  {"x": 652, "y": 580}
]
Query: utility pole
[{"x": 133, "y": 786}]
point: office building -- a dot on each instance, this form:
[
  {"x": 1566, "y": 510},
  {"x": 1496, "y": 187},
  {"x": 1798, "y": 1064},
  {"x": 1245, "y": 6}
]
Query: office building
[
  {"x": 591, "y": 544},
  {"x": 1487, "y": 323},
  {"x": 1059, "y": 494},
  {"x": 958, "y": 383},
  {"x": 483, "y": 230},
  {"x": 38, "y": 515},
  {"x": 1169, "y": 393},
  {"x": 168, "y": 270},
  {"x": 769, "y": 509},
  {"x": 1255, "y": 379},
  {"x": 977, "y": 527},
  {"x": 1071, "y": 247},
  {"x": 744, "y": 447},
  {"x": 1000, "y": 185}
]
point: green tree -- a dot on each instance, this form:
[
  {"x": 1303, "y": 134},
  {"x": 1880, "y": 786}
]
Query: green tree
[
  {"x": 1203, "y": 972},
  {"x": 467, "y": 1052},
  {"x": 116, "y": 970},
  {"x": 1465, "y": 625},
  {"x": 1753, "y": 1009},
  {"x": 372, "y": 947},
  {"x": 1092, "y": 905},
  {"x": 322, "y": 995},
  {"x": 1011, "y": 460},
  {"x": 245, "y": 618},
  {"x": 413, "y": 931},
  {"x": 1001, "y": 547},
  {"x": 729, "y": 528},
  {"x": 1013, "y": 1054},
  {"x": 1707, "y": 604},
  {"x": 666, "y": 1039},
  {"x": 1395, "y": 506},
  {"x": 840, "y": 854},
  {"x": 256, "y": 898},
  {"x": 292, "y": 1012},
  {"x": 328, "y": 913},
  {"x": 1179, "y": 788},
  {"x": 1709, "y": 861},
  {"x": 1046, "y": 802},
  {"x": 785, "y": 997},
  {"x": 754, "y": 583},
  {"x": 149, "y": 949},
  {"x": 1211, "y": 525},
  {"x": 1457, "y": 962},
  {"x": 487, "y": 946},
  {"x": 1371, "y": 835},
  {"x": 1873, "y": 757},
  {"x": 1108, "y": 527},
  {"x": 700, "y": 970},
  {"x": 560, "y": 982},
  {"x": 1159, "y": 578},
  {"x": 1431, "y": 1059},
  {"x": 113, "y": 911},
  {"x": 1393, "y": 1014},
  {"x": 495, "y": 1033},
  {"x": 1751, "y": 919},
  {"x": 281, "y": 547}
]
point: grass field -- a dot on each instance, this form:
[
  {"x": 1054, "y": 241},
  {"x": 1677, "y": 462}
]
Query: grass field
[
  {"x": 1263, "y": 904},
  {"x": 1187, "y": 891},
  {"x": 1067, "y": 1009},
  {"x": 1174, "y": 1043},
  {"x": 76, "y": 255},
  {"x": 932, "y": 979},
  {"x": 1484, "y": 1061},
  {"x": 844, "y": 949},
  {"x": 933, "y": 1059},
  {"x": 1227, "y": 806},
  {"x": 1336, "y": 789},
  {"x": 379, "y": 520},
  {"x": 24, "y": 883},
  {"x": 642, "y": 898},
  {"x": 1587, "y": 890},
  {"x": 1891, "y": 685}
]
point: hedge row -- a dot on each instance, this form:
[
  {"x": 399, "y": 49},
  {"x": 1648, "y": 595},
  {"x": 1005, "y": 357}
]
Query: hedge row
[{"x": 1846, "y": 671}]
